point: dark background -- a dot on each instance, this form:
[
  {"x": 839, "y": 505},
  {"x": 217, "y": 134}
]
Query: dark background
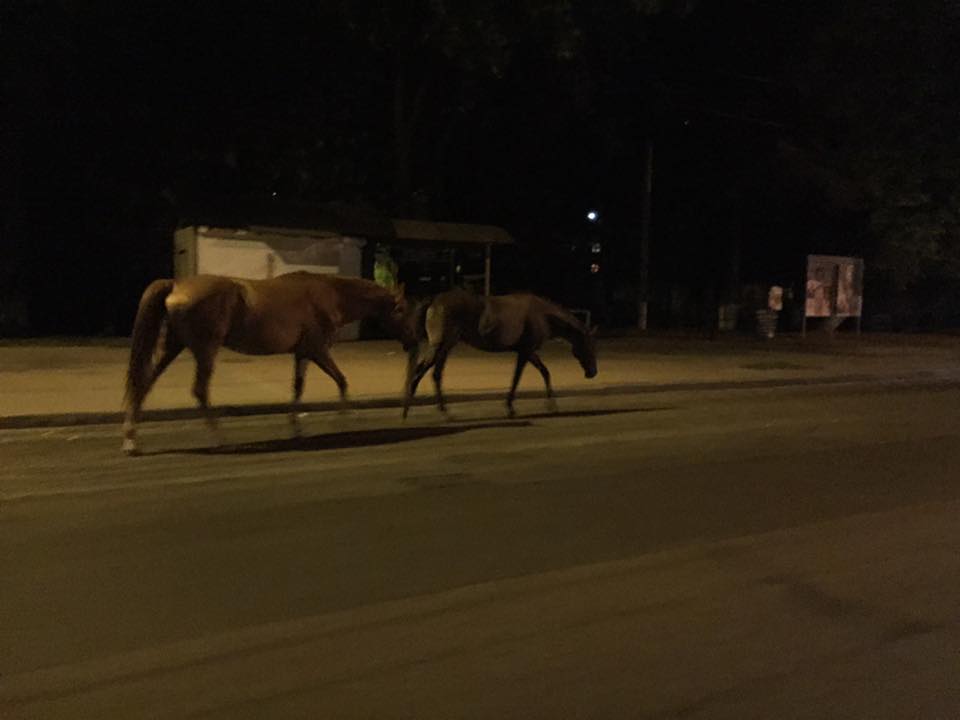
[{"x": 779, "y": 129}]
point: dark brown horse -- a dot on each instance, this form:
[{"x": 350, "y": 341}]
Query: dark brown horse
[
  {"x": 519, "y": 323},
  {"x": 298, "y": 313}
]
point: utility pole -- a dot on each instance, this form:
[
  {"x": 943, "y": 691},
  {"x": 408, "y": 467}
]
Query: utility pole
[{"x": 643, "y": 289}]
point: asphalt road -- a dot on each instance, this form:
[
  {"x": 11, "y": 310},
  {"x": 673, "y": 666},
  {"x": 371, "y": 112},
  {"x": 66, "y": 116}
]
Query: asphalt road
[{"x": 763, "y": 553}]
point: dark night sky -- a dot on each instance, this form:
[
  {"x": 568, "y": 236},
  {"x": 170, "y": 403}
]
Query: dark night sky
[{"x": 118, "y": 115}]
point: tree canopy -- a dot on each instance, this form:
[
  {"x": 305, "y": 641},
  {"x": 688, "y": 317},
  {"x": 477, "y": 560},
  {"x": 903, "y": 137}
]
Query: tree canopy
[
  {"x": 883, "y": 78},
  {"x": 780, "y": 127}
]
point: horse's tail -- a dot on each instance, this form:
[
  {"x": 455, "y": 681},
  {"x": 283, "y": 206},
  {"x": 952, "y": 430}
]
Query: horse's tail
[
  {"x": 146, "y": 329},
  {"x": 420, "y": 353},
  {"x": 420, "y": 318}
]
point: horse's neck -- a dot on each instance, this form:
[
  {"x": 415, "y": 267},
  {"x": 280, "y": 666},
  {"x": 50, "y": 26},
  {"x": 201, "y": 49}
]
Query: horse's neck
[
  {"x": 358, "y": 306},
  {"x": 564, "y": 325},
  {"x": 353, "y": 304}
]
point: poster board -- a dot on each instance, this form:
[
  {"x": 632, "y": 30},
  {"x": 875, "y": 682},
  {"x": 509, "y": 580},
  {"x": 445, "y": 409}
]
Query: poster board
[{"x": 834, "y": 288}]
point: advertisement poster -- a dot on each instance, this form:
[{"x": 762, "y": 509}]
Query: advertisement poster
[{"x": 834, "y": 286}]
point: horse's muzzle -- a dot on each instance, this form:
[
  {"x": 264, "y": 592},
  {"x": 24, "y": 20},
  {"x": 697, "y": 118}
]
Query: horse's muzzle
[{"x": 591, "y": 373}]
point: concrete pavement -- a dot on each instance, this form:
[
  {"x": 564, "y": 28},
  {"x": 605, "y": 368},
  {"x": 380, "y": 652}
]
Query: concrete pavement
[
  {"x": 772, "y": 620},
  {"x": 776, "y": 553},
  {"x": 55, "y": 383}
]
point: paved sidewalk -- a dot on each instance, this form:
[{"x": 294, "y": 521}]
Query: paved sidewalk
[{"x": 53, "y": 382}]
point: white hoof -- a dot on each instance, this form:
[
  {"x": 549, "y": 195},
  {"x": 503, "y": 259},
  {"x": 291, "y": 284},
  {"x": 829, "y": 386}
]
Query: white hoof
[{"x": 130, "y": 446}]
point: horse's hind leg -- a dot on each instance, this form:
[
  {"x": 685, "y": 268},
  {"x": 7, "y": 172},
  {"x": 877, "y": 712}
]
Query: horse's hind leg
[
  {"x": 517, "y": 372},
  {"x": 418, "y": 363},
  {"x": 299, "y": 372},
  {"x": 414, "y": 374},
  {"x": 130, "y": 421},
  {"x": 170, "y": 349},
  {"x": 201, "y": 388},
  {"x": 441, "y": 361},
  {"x": 538, "y": 364}
]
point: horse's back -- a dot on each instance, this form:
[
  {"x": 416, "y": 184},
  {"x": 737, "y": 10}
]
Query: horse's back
[
  {"x": 248, "y": 315},
  {"x": 498, "y": 322},
  {"x": 454, "y": 311},
  {"x": 489, "y": 323},
  {"x": 518, "y": 319},
  {"x": 282, "y": 289},
  {"x": 189, "y": 291}
]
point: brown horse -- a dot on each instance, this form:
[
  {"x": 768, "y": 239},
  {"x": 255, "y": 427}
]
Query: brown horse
[
  {"x": 520, "y": 323},
  {"x": 298, "y": 313}
]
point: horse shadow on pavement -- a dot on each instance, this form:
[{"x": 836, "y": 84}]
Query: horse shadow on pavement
[
  {"x": 340, "y": 440},
  {"x": 385, "y": 436},
  {"x": 592, "y": 413}
]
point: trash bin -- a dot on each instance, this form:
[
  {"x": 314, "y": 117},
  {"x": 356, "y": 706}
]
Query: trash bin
[
  {"x": 767, "y": 323},
  {"x": 767, "y": 318}
]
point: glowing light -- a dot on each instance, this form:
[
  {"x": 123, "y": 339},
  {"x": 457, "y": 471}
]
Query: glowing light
[
  {"x": 595, "y": 268},
  {"x": 593, "y": 216}
]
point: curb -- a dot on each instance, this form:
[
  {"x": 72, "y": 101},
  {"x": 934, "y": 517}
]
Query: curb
[{"x": 20, "y": 422}]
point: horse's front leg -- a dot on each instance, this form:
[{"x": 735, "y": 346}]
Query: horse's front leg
[
  {"x": 522, "y": 358},
  {"x": 299, "y": 373},
  {"x": 538, "y": 364},
  {"x": 321, "y": 356}
]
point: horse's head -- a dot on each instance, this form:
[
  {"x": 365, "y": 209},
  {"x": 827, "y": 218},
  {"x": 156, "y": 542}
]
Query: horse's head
[
  {"x": 413, "y": 331},
  {"x": 399, "y": 301},
  {"x": 399, "y": 317},
  {"x": 585, "y": 351}
]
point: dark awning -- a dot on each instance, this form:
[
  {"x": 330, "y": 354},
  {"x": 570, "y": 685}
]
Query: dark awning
[
  {"x": 422, "y": 231},
  {"x": 261, "y": 215}
]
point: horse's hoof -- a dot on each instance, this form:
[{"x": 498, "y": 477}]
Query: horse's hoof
[
  {"x": 511, "y": 413},
  {"x": 552, "y": 406},
  {"x": 130, "y": 447}
]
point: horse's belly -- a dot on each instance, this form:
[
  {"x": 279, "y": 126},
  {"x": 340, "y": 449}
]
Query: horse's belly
[
  {"x": 250, "y": 347},
  {"x": 254, "y": 337},
  {"x": 504, "y": 335}
]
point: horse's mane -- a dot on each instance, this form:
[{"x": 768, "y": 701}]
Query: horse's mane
[{"x": 358, "y": 288}]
